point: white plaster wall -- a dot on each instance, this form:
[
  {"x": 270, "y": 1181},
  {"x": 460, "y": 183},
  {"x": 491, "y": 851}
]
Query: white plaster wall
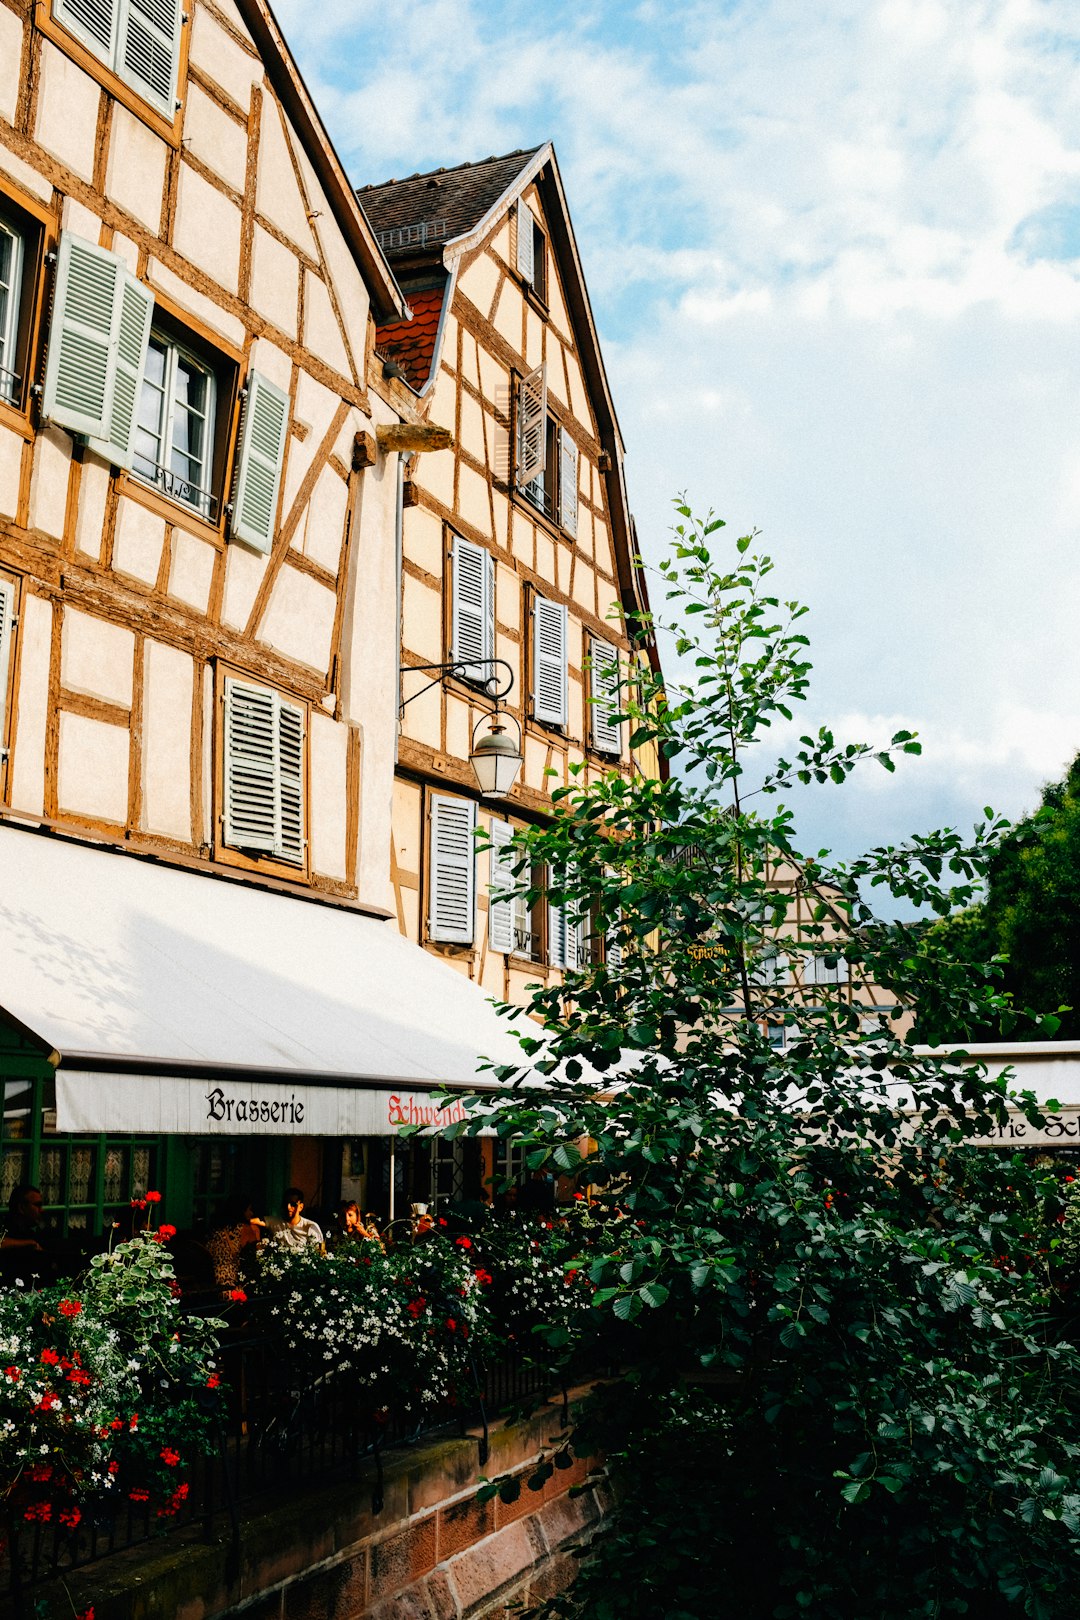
[
  {"x": 92, "y": 777},
  {"x": 32, "y": 706},
  {"x": 277, "y": 195},
  {"x": 321, "y": 532},
  {"x": 507, "y": 317},
  {"x": 473, "y": 501},
  {"x": 166, "y": 763},
  {"x": 138, "y": 541},
  {"x": 136, "y": 173},
  {"x": 244, "y": 570},
  {"x": 315, "y": 407},
  {"x": 90, "y": 518},
  {"x": 299, "y": 619},
  {"x": 214, "y": 138},
  {"x": 83, "y": 221},
  {"x": 191, "y": 570},
  {"x": 272, "y": 362},
  {"x": 424, "y": 540},
  {"x": 207, "y": 229},
  {"x": 49, "y": 481},
  {"x": 480, "y": 282},
  {"x": 19, "y": 171},
  {"x": 322, "y": 334},
  {"x": 196, "y": 303},
  {"x": 422, "y": 619},
  {"x": 11, "y": 454},
  {"x": 274, "y": 281},
  {"x": 352, "y": 294},
  {"x": 67, "y": 111},
  {"x": 11, "y": 32},
  {"x": 329, "y": 745},
  {"x": 97, "y": 658},
  {"x": 222, "y": 59}
]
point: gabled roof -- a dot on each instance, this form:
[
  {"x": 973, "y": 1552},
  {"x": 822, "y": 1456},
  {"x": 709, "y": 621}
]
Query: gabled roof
[
  {"x": 386, "y": 297},
  {"x": 428, "y": 210}
]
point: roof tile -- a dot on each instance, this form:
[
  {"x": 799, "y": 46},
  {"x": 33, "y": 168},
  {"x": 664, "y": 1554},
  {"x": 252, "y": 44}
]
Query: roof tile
[{"x": 427, "y": 209}]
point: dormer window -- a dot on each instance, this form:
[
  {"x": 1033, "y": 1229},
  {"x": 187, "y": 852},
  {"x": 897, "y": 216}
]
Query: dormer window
[{"x": 531, "y": 250}]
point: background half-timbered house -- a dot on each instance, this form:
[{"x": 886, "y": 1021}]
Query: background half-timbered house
[{"x": 519, "y": 547}]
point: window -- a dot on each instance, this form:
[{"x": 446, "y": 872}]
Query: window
[
  {"x": 547, "y": 457},
  {"x": 604, "y": 697},
  {"x": 148, "y": 401},
  {"x": 139, "y": 40},
  {"x": 531, "y": 250},
  {"x": 12, "y": 262},
  {"x": 828, "y": 969},
  {"x": 472, "y": 610},
  {"x": 452, "y": 870},
  {"x": 263, "y": 773},
  {"x": 515, "y": 926},
  {"x": 175, "y": 426},
  {"x": 566, "y": 937},
  {"x": 549, "y": 674},
  {"x": 7, "y": 630}
]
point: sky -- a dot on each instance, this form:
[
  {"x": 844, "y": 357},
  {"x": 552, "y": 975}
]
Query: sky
[{"x": 833, "y": 252}]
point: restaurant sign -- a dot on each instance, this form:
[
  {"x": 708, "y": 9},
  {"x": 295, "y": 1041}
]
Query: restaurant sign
[{"x": 163, "y": 1105}]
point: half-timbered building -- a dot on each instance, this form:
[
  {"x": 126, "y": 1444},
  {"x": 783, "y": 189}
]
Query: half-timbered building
[{"x": 199, "y": 494}]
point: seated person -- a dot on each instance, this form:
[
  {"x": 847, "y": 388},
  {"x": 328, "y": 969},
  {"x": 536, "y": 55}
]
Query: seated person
[
  {"x": 296, "y": 1232},
  {"x": 240, "y": 1228}
]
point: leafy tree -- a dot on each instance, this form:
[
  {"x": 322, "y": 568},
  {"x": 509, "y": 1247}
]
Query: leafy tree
[
  {"x": 1029, "y": 919},
  {"x": 844, "y": 1392}
]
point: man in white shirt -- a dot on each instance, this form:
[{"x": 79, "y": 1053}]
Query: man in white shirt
[{"x": 296, "y": 1232}]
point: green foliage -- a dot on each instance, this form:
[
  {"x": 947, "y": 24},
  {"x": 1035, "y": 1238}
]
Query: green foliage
[
  {"x": 1029, "y": 921},
  {"x": 848, "y": 1391}
]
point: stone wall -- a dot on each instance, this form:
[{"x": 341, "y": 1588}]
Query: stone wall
[{"x": 432, "y": 1553}]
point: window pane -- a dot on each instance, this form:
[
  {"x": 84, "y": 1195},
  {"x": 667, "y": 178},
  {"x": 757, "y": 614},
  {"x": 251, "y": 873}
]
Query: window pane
[
  {"x": 51, "y": 1175},
  {"x": 115, "y": 1174},
  {"x": 151, "y": 413},
  {"x": 80, "y": 1175},
  {"x": 15, "y": 1169},
  {"x": 18, "y": 1100},
  {"x": 10, "y": 270}
]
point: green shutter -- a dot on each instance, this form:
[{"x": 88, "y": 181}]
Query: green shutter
[
  {"x": 250, "y": 792},
  {"x": 259, "y": 461},
  {"x": 148, "y": 54},
  {"x": 84, "y": 338},
  {"x": 92, "y": 21},
  {"x": 133, "y": 340}
]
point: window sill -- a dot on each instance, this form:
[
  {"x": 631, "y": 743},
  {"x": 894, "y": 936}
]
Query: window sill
[
  {"x": 17, "y": 419},
  {"x": 173, "y": 511},
  {"x": 266, "y": 864},
  {"x": 549, "y": 524}
]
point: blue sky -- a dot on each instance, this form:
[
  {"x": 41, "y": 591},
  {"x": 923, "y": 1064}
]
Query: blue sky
[{"x": 834, "y": 256}]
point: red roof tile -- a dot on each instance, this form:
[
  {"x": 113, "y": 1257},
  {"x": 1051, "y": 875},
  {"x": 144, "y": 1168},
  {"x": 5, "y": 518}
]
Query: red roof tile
[{"x": 412, "y": 343}]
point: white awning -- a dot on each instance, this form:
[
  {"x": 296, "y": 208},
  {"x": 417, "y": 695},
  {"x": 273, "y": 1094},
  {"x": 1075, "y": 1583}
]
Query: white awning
[{"x": 125, "y": 966}]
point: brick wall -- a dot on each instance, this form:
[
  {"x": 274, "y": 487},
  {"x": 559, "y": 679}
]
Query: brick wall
[{"x": 433, "y": 1552}]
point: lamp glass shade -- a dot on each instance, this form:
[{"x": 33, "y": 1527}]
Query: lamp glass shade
[{"x": 496, "y": 762}]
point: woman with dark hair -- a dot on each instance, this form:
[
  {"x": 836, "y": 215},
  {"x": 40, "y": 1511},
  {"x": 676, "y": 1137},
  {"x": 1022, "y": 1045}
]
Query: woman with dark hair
[{"x": 239, "y": 1229}]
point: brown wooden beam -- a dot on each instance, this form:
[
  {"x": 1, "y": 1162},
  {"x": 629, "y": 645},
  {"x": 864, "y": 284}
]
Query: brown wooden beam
[{"x": 413, "y": 437}]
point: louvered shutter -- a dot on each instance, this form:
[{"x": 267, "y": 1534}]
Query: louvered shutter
[
  {"x": 452, "y": 870},
  {"x": 568, "y": 482},
  {"x": 289, "y": 833},
  {"x": 472, "y": 609},
  {"x": 148, "y": 54},
  {"x": 259, "y": 461},
  {"x": 251, "y": 815},
  {"x": 97, "y": 344},
  {"x": 604, "y": 688},
  {"x": 500, "y": 912},
  {"x": 531, "y": 423},
  {"x": 92, "y": 21},
  {"x": 564, "y": 938},
  {"x": 526, "y": 261},
  {"x": 549, "y": 661},
  {"x": 132, "y": 345},
  {"x": 7, "y": 622}
]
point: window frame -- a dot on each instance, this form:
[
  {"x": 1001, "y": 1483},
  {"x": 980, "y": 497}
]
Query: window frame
[
  {"x": 249, "y": 859},
  {"x": 547, "y": 501},
  {"x": 35, "y": 228},
  {"x": 80, "y": 50},
  {"x": 213, "y": 456}
]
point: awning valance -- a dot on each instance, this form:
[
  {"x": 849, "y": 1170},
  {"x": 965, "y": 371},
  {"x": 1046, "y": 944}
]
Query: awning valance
[{"x": 134, "y": 970}]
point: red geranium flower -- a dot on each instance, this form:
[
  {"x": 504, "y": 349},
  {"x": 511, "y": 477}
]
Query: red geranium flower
[
  {"x": 38, "y": 1513},
  {"x": 214, "y": 1381},
  {"x": 169, "y": 1457},
  {"x": 13, "y": 1373},
  {"x": 239, "y": 1295},
  {"x": 153, "y": 1198},
  {"x": 416, "y": 1307},
  {"x": 49, "y": 1358},
  {"x": 463, "y": 1242},
  {"x": 164, "y": 1233},
  {"x": 139, "y": 1495},
  {"x": 451, "y": 1324},
  {"x": 70, "y": 1307},
  {"x": 70, "y": 1516}
]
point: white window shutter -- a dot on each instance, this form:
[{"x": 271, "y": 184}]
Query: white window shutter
[
  {"x": 259, "y": 461},
  {"x": 84, "y": 337},
  {"x": 251, "y": 814},
  {"x": 526, "y": 261},
  {"x": 7, "y": 623},
  {"x": 500, "y": 912},
  {"x": 549, "y": 661},
  {"x": 289, "y": 834},
  {"x": 604, "y": 690},
  {"x": 531, "y": 426},
  {"x": 452, "y": 870},
  {"x": 568, "y": 482},
  {"x": 149, "y": 48},
  {"x": 472, "y": 609},
  {"x": 92, "y": 21}
]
